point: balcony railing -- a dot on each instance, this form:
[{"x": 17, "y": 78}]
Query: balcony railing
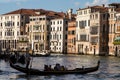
[
  {"x": 23, "y": 41},
  {"x": 94, "y": 30},
  {"x": 116, "y": 42},
  {"x": 93, "y": 43}
]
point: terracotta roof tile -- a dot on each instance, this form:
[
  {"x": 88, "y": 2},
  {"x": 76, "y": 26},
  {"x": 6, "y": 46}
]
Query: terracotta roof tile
[
  {"x": 117, "y": 9},
  {"x": 96, "y": 8},
  {"x": 101, "y": 9},
  {"x": 22, "y": 11},
  {"x": 33, "y": 12}
]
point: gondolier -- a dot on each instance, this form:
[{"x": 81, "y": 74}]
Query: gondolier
[{"x": 27, "y": 58}]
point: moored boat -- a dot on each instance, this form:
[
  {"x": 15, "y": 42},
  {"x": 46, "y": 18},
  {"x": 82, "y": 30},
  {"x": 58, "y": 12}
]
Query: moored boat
[
  {"x": 32, "y": 71},
  {"x": 41, "y": 54}
]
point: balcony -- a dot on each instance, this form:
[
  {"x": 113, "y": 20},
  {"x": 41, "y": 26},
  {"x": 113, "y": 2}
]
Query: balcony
[
  {"x": 94, "y": 40},
  {"x": 94, "y": 30},
  {"x": 116, "y": 41},
  {"x": 23, "y": 39},
  {"x": 93, "y": 43}
]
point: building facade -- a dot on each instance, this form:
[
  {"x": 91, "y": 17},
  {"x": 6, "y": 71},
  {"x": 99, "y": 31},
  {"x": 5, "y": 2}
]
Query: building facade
[
  {"x": 71, "y": 40},
  {"x": 58, "y": 38},
  {"x": 38, "y": 31},
  {"x": 83, "y": 30},
  {"x": 116, "y": 40},
  {"x": 113, "y": 10},
  {"x": 92, "y": 30},
  {"x": 12, "y": 25},
  {"x": 99, "y": 30}
]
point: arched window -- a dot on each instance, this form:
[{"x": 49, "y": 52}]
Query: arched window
[{"x": 36, "y": 47}]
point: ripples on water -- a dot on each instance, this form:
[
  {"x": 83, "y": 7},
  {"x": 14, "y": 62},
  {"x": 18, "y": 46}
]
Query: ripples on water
[{"x": 109, "y": 68}]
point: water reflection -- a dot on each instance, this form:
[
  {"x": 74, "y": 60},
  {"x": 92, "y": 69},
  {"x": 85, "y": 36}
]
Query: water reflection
[{"x": 109, "y": 68}]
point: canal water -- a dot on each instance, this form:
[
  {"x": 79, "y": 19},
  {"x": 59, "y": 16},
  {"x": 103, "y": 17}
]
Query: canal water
[{"x": 109, "y": 68}]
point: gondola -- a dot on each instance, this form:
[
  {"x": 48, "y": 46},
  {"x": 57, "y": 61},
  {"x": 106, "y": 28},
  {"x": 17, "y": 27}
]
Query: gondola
[
  {"x": 0, "y": 70},
  {"x": 32, "y": 71},
  {"x": 40, "y": 55}
]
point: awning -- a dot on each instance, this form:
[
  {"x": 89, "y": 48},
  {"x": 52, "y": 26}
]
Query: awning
[{"x": 117, "y": 39}]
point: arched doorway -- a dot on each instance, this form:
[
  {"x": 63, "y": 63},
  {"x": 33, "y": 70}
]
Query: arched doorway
[
  {"x": 116, "y": 51},
  {"x": 94, "y": 50}
]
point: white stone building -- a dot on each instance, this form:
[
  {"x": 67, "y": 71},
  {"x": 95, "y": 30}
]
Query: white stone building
[
  {"x": 38, "y": 32},
  {"x": 12, "y": 25},
  {"x": 58, "y": 35},
  {"x": 83, "y": 30}
]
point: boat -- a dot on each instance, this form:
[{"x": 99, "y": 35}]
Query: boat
[
  {"x": 41, "y": 54},
  {"x": 31, "y": 71},
  {"x": 0, "y": 70}
]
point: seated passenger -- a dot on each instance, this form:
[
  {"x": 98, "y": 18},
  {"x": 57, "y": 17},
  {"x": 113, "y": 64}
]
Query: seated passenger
[
  {"x": 63, "y": 68},
  {"x": 50, "y": 68},
  {"x": 57, "y": 67},
  {"x": 46, "y": 68}
]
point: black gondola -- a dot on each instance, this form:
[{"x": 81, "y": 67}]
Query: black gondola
[{"x": 31, "y": 71}]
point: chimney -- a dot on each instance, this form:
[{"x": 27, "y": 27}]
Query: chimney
[
  {"x": 103, "y": 5},
  {"x": 70, "y": 13}
]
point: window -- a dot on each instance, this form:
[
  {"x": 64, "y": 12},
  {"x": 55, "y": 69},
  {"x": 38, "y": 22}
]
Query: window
[
  {"x": 43, "y": 27},
  {"x": 40, "y": 18},
  {"x": 104, "y": 16},
  {"x": 60, "y": 28},
  {"x": 0, "y": 33},
  {"x": 59, "y": 43},
  {"x": 13, "y": 24},
  {"x": 57, "y": 28},
  {"x": 60, "y": 22},
  {"x": 13, "y": 33},
  {"x": 34, "y": 19},
  {"x": 53, "y": 28},
  {"x": 88, "y": 22},
  {"x": 60, "y": 36},
  {"x": 47, "y": 27},
  {"x": 51, "y": 23},
  {"x": 36, "y": 37},
  {"x": 21, "y": 23},
  {"x": 66, "y": 22},
  {"x": 96, "y": 16},
  {"x": 65, "y": 36},
  {"x": 21, "y": 32},
  {"x": 1, "y": 18},
  {"x": 80, "y": 13},
  {"x": 76, "y": 23},
  {"x": 17, "y": 23},
  {"x": 73, "y": 32},
  {"x": 43, "y": 37},
  {"x": 57, "y": 22},
  {"x": 1, "y": 24},
  {"x": 111, "y": 15},
  {"x": 66, "y": 28},
  {"x": 18, "y": 33},
  {"x": 36, "y": 27},
  {"x": 30, "y": 19},
  {"x": 36, "y": 46},
  {"x": 94, "y": 39},
  {"x": 114, "y": 28},
  {"x": 82, "y": 24},
  {"x": 54, "y": 22},
  {"x": 83, "y": 37},
  {"x": 90, "y": 16},
  {"x": 94, "y": 30}
]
